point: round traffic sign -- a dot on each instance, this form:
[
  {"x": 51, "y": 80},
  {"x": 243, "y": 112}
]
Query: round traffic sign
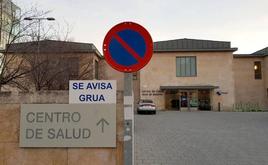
[{"x": 128, "y": 47}]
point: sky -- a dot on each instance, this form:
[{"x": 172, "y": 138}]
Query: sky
[{"x": 243, "y": 22}]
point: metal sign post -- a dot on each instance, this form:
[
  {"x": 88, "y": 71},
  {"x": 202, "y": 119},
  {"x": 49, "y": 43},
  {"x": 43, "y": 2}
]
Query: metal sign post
[
  {"x": 129, "y": 122},
  {"x": 128, "y": 47}
]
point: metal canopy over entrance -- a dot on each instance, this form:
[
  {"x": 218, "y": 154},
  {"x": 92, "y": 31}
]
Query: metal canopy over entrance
[{"x": 189, "y": 87}]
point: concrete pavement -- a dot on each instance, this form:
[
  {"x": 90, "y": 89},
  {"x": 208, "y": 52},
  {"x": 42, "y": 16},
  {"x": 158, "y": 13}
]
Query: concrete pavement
[{"x": 202, "y": 138}]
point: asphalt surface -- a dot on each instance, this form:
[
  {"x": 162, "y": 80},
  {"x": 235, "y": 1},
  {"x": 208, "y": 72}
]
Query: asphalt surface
[{"x": 202, "y": 138}]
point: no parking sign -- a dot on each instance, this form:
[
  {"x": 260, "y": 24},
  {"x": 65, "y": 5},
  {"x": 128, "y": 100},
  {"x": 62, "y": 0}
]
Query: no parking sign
[{"x": 128, "y": 47}]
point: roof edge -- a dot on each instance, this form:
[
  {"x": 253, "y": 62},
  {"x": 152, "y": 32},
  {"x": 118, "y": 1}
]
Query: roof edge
[
  {"x": 75, "y": 42},
  {"x": 192, "y": 39},
  {"x": 248, "y": 56},
  {"x": 93, "y": 50},
  {"x": 199, "y": 50}
]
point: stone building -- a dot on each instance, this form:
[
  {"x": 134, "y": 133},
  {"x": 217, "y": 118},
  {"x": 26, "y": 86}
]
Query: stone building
[
  {"x": 52, "y": 64},
  {"x": 251, "y": 78},
  {"x": 187, "y": 74}
]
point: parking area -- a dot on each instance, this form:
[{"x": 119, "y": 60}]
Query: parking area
[{"x": 202, "y": 138}]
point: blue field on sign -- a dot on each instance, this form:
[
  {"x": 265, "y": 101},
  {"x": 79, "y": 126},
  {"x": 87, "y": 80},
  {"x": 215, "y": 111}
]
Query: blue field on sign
[{"x": 120, "y": 53}]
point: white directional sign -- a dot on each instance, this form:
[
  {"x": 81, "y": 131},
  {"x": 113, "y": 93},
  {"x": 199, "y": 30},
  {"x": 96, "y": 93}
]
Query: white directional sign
[
  {"x": 68, "y": 125},
  {"x": 92, "y": 92}
]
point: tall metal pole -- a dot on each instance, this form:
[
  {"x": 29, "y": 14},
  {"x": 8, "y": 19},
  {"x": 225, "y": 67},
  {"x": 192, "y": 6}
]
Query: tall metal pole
[
  {"x": 38, "y": 36},
  {"x": 38, "y": 42},
  {"x": 128, "y": 117}
]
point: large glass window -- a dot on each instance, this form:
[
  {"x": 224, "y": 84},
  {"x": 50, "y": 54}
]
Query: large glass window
[
  {"x": 186, "y": 66},
  {"x": 204, "y": 100},
  {"x": 257, "y": 69}
]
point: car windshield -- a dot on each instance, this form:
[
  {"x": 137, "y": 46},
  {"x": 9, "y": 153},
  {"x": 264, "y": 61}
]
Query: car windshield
[{"x": 146, "y": 101}]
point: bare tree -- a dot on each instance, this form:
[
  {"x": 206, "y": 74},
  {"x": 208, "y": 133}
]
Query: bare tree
[
  {"x": 55, "y": 70},
  {"x": 31, "y": 69},
  {"x": 13, "y": 29}
]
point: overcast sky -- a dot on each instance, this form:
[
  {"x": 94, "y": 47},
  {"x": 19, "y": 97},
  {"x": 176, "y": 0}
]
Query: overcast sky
[{"x": 243, "y": 22}]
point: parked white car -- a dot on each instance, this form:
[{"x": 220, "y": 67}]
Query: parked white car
[{"x": 146, "y": 106}]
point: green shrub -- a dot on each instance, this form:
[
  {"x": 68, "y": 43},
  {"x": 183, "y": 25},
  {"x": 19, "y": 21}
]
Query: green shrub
[{"x": 246, "y": 107}]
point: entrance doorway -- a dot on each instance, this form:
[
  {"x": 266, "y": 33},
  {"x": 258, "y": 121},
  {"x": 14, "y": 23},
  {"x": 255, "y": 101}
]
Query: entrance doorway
[
  {"x": 184, "y": 99},
  {"x": 188, "y": 100}
]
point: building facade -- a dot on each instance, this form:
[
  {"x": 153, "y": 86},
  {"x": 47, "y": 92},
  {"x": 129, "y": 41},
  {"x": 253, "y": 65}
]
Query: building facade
[
  {"x": 8, "y": 15},
  {"x": 251, "y": 78},
  {"x": 50, "y": 64},
  {"x": 190, "y": 74}
]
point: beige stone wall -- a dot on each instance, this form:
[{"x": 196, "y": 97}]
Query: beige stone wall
[
  {"x": 266, "y": 75},
  {"x": 136, "y": 90},
  {"x": 111, "y": 74},
  {"x": 96, "y": 61},
  {"x": 86, "y": 66},
  {"x": 12, "y": 154},
  {"x": 213, "y": 68},
  {"x": 247, "y": 89}
]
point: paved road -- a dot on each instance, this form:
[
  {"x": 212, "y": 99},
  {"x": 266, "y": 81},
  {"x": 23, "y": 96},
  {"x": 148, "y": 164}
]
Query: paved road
[{"x": 202, "y": 138}]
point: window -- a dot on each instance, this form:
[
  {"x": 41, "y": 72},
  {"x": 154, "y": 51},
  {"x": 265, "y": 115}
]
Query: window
[
  {"x": 257, "y": 69},
  {"x": 96, "y": 70},
  {"x": 185, "y": 66}
]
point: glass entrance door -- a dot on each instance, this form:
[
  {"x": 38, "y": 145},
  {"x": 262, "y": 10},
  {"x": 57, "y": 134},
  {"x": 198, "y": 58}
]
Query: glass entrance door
[
  {"x": 189, "y": 100},
  {"x": 193, "y": 100},
  {"x": 184, "y": 99}
]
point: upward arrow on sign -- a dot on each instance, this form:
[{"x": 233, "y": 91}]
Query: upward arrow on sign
[{"x": 102, "y": 122}]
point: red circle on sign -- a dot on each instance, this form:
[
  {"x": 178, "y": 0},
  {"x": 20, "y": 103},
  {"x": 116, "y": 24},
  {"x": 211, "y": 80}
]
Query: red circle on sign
[{"x": 148, "y": 44}]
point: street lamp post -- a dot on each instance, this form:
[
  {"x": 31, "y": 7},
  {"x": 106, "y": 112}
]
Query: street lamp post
[{"x": 39, "y": 19}]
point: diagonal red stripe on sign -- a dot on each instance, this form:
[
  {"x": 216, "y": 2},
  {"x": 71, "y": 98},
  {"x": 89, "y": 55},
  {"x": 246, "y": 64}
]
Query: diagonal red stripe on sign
[{"x": 128, "y": 48}]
